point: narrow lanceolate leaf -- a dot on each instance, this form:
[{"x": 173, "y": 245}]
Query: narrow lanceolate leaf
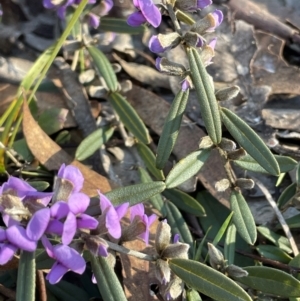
[
  {"x": 129, "y": 117},
  {"x": 135, "y": 193},
  {"x": 120, "y": 26},
  {"x": 26, "y": 277},
  {"x": 229, "y": 246},
  {"x": 186, "y": 168},
  {"x": 171, "y": 128},
  {"x": 107, "y": 280},
  {"x": 250, "y": 141},
  {"x": 104, "y": 68},
  {"x": 287, "y": 196},
  {"x": 247, "y": 162},
  {"x": 178, "y": 224},
  {"x": 222, "y": 230},
  {"x": 205, "y": 92},
  {"x": 184, "y": 201},
  {"x": 208, "y": 281},
  {"x": 93, "y": 142},
  {"x": 149, "y": 160},
  {"x": 273, "y": 253},
  {"x": 271, "y": 281},
  {"x": 242, "y": 217}
]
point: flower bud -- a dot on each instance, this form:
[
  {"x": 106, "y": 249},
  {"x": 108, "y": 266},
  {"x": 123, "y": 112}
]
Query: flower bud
[
  {"x": 162, "y": 237},
  {"x": 165, "y": 66},
  {"x": 235, "y": 271},
  {"x": 162, "y": 271},
  {"x": 207, "y": 54},
  {"x": 227, "y": 145},
  {"x": 216, "y": 258},
  {"x": 236, "y": 154},
  {"x": 205, "y": 143},
  {"x": 174, "y": 288},
  {"x": 208, "y": 23},
  {"x": 227, "y": 93},
  {"x": 62, "y": 190},
  {"x": 163, "y": 42},
  {"x": 136, "y": 227},
  {"x": 178, "y": 250},
  {"x": 193, "y": 39},
  {"x": 222, "y": 185},
  {"x": 96, "y": 245},
  {"x": 245, "y": 183},
  {"x": 186, "y": 84}
]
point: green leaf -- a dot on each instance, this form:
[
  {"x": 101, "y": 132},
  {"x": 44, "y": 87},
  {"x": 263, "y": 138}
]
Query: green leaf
[
  {"x": 171, "y": 128},
  {"x": 155, "y": 200},
  {"x": 222, "y": 230},
  {"x": 52, "y": 120},
  {"x": 120, "y": 26},
  {"x": 135, "y": 194},
  {"x": 129, "y": 117},
  {"x": 26, "y": 277},
  {"x": 229, "y": 246},
  {"x": 242, "y": 217},
  {"x": 104, "y": 68},
  {"x": 107, "y": 280},
  {"x": 184, "y": 17},
  {"x": 278, "y": 240},
  {"x": 21, "y": 147},
  {"x": 192, "y": 295},
  {"x": 178, "y": 224},
  {"x": 208, "y": 281},
  {"x": 287, "y": 195},
  {"x": 271, "y": 281},
  {"x": 247, "y": 162},
  {"x": 186, "y": 168},
  {"x": 250, "y": 141},
  {"x": 39, "y": 185},
  {"x": 273, "y": 253},
  {"x": 207, "y": 100},
  {"x": 184, "y": 202},
  {"x": 93, "y": 142},
  {"x": 149, "y": 160}
]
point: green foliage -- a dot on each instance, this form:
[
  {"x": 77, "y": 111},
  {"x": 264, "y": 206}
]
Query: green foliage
[
  {"x": 120, "y": 26},
  {"x": 208, "y": 281},
  {"x": 171, "y": 128}
]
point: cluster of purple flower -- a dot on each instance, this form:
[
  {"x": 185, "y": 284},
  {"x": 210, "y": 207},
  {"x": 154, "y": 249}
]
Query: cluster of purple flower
[
  {"x": 62, "y": 6},
  {"x": 31, "y": 216}
]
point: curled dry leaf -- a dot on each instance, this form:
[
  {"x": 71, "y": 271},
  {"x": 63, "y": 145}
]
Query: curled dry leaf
[{"x": 52, "y": 156}]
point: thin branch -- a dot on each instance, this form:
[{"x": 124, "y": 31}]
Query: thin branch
[{"x": 280, "y": 218}]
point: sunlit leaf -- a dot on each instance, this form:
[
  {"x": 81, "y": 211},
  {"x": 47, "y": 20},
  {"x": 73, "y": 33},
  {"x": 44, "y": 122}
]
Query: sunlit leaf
[
  {"x": 171, "y": 128},
  {"x": 242, "y": 217},
  {"x": 271, "y": 281},
  {"x": 186, "y": 168},
  {"x": 208, "y": 281},
  {"x": 250, "y": 141},
  {"x": 135, "y": 193},
  {"x": 129, "y": 117},
  {"x": 205, "y": 93}
]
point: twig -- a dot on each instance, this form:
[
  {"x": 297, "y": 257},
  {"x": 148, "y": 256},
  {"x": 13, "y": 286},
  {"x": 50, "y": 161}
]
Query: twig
[
  {"x": 41, "y": 285},
  {"x": 7, "y": 292},
  {"x": 280, "y": 218},
  {"x": 10, "y": 155}
]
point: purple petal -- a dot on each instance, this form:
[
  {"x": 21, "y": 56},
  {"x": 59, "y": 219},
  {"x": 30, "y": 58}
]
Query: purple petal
[
  {"x": 18, "y": 185},
  {"x": 150, "y": 12},
  {"x": 38, "y": 224},
  {"x": 55, "y": 227},
  {"x": 121, "y": 210},
  {"x": 48, "y": 247},
  {"x": 72, "y": 174},
  {"x": 151, "y": 219},
  {"x": 136, "y": 19},
  {"x": 56, "y": 273},
  {"x": 48, "y": 4},
  {"x": 136, "y": 210},
  {"x": 213, "y": 43},
  {"x": 8, "y": 221},
  {"x": 78, "y": 202},
  {"x": 94, "y": 279},
  {"x": 136, "y": 3},
  {"x": 70, "y": 258},
  {"x": 106, "y": 6},
  {"x": 112, "y": 223},
  {"x": 176, "y": 238},
  {"x": 43, "y": 197},
  {"x": 203, "y": 3},
  {"x": 218, "y": 16},
  {"x": 102, "y": 250},
  {"x": 85, "y": 221},
  {"x": 185, "y": 85},
  {"x": 59, "y": 210},
  {"x": 2, "y": 235},
  {"x": 155, "y": 45},
  {"x": 61, "y": 12},
  {"x": 69, "y": 230},
  {"x": 104, "y": 202},
  {"x": 7, "y": 252},
  {"x": 16, "y": 235},
  {"x": 94, "y": 20}
]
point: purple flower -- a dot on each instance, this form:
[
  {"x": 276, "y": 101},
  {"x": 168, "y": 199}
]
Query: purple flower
[
  {"x": 203, "y": 3},
  {"x": 163, "y": 42},
  {"x": 67, "y": 259},
  {"x": 155, "y": 45},
  {"x": 148, "y": 12},
  {"x": 12, "y": 239},
  {"x": 94, "y": 20},
  {"x": 218, "y": 16},
  {"x": 138, "y": 210}
]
